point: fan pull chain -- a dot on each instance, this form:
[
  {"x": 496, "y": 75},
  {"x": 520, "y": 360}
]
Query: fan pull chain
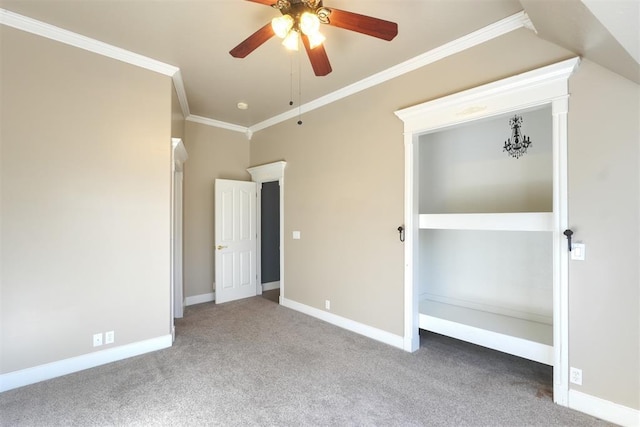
[
  {"x": 290, "y": 79},
  {"x": 299, "y": 90}
]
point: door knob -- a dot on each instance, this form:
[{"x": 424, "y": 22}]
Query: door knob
[{"x": 221, "y": 247}]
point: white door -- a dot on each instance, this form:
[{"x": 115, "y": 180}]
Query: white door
[{"x": 235, "y": 237}]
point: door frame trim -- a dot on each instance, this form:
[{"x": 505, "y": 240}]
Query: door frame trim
[
  {"x": 260, "y": 174},
  {"x": 177, "y": 302},
  {"x": 543, "y": 86}
]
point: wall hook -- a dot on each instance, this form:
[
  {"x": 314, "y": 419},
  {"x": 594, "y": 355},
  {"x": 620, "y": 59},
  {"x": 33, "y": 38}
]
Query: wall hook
[
  {"x": 568, "y": 233},
  {"x": 401, "y": 231}
]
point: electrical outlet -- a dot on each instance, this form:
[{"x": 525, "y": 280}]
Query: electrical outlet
[
  {"x": 327, "y": 304},
  {"x": 97, "y": 339},
  {"x": 575, "y": 376},
  {"x": 109, "y": 337}
]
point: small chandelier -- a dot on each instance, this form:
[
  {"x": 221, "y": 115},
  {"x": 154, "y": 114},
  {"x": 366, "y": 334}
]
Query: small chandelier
[
  {"x": 517, "y": 145},
  {"x": 302, "y": 17}
]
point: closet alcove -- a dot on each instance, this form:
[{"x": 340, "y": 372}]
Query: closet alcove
[
  {"x": 486, "y": 235},
  {"x": 485, "y": 257}
]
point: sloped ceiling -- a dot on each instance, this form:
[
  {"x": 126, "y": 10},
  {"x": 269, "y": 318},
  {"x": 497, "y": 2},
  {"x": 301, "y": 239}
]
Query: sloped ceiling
[{"x": 606, "y": 32}]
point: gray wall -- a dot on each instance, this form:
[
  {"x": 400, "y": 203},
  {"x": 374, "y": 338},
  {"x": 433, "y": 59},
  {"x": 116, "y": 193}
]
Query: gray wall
[
  {"x": 344, "y": 181},
  {"x": 344, "y": 192},
  {"x": 213, "y": 153},
  {"x": 464, "y": 170},
  {"x": 85, "y": 201},
  {"x": 87, "y": 189},
  {"x": 604, "y": 197}
]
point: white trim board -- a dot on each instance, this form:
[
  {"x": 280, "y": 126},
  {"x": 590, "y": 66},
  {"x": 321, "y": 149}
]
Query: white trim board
[
  {"x": 523, "y": 338},
  {"x": 218, "y": 124},
  {"x": 52, "y": 32},
  {"x": 51, "y": 370},
  {"x": 271, "y": 286},
  {"x": 525, "y": 221},
  {"x": 178, "y": 84},
  {"x": 604, "y": 409},
  {"x": 268, "y": 173},
  {"x": 348, "y": 324},
  {"x": 199, "y": 299}
]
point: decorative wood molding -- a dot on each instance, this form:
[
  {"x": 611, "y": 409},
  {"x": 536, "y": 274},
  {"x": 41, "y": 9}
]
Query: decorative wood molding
[
  {"x": 524, "y": 221},
  {"x": 199, "y": 299},
  {"x": 348, "y": 324},
  {"x": 48, "y": 371},
  {"x": 178, "y": 84},
  {"x": 70, "y": 38},
  {"x": 218, "y": 124},
  {"x": 179, "y": 153},
  {"x": 271, "y": 286},
  {"x": 604, "y": 409},
  {"x": 524, "y": 90},
  {"x": 521, "y": 347},
  {"x": 269, "y": 172}
]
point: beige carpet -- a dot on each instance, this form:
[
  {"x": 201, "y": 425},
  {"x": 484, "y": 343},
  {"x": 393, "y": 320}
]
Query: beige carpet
[{"x": 256, "y": 363}]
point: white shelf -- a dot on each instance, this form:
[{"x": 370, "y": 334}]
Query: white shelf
[
  {"x": 521, "y": 221},
  {"x": 523, "y": 338}
]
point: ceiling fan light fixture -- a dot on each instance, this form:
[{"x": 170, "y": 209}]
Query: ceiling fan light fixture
[
  {"x": 316, "y": 39},
  {"x": 300, "y": 22},
  {"x": 282, "y": 25},
  {"x": 309, "y": 24},
  {"x": 291, "y": 40}
]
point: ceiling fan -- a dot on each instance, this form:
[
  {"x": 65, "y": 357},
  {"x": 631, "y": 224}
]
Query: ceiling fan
[{"x": 301, "y": 19}]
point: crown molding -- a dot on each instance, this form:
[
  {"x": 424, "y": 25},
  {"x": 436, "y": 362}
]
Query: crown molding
[
  {"x": 497, "y": 29},
  {"x": 178, "y": 84},
  {"x": 506, "y": 25},
  {"x": 52, "y": 32},
  {"x": 219, "y": 124}
]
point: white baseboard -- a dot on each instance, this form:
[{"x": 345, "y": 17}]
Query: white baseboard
[
  {"x": 348, "y": 324},
  {"x": 604, "y": 409},
  {"x": 199, "y": 299},
  {"x": 51, "y": 370},
  {"x": 271, "y": 286}
]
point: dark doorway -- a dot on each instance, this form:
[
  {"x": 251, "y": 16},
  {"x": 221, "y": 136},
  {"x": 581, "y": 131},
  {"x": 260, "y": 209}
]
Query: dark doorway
[{"x": 270, "y": 239}]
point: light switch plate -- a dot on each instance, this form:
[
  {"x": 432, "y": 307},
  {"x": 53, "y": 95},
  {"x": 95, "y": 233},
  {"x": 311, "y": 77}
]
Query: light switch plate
[
  {"x": 296, "y": 235},
  {"x": 577, "y": 251}
]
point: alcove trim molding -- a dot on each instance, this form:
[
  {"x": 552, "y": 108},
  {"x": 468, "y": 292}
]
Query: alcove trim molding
[{"x": 543, "y": 86}]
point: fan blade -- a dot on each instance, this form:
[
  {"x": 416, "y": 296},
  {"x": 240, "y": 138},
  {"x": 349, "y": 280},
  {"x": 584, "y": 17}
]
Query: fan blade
[
  {"x": 368, "y": 25},
  {"x": 265, "y": 2},
  {"x": 253, "y": 42},
  {"x": 318, "y": 57}
]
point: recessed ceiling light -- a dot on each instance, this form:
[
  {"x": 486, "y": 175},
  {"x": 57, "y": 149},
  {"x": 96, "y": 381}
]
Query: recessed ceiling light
[{"x": 243, "y": 105}]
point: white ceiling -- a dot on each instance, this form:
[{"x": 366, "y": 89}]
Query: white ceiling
[{"x": 196, "y": 36}]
